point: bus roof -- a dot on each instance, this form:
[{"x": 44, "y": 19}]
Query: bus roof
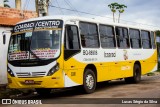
[{"x": 94, "y": 20}]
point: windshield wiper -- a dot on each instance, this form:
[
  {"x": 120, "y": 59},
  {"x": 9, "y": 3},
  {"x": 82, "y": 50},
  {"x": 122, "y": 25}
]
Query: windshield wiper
[{"x": 34, "y": 55}]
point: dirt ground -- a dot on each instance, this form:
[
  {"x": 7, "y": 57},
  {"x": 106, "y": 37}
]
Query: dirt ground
[{"x": 149, "y": 88}]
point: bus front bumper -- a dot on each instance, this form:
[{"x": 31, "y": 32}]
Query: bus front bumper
[{"x": 39, "y": 82}]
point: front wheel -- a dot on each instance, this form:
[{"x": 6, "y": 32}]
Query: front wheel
[
  {"x": 43, "y": 91},
  {"x": 89, "y": 81}
]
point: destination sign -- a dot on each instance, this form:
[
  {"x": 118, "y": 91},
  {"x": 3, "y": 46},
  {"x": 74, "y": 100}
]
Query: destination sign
[{"x": 36, "y": 25}]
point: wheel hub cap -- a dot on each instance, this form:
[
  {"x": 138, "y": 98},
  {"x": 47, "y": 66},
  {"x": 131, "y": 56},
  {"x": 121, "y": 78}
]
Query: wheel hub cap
[{"x": 89, "y": 81}]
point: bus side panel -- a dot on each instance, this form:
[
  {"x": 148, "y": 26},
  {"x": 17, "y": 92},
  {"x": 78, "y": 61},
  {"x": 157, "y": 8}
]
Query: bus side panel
[
  {"x": 150, "y": 64},
  {"x": 74, "y": 71}
]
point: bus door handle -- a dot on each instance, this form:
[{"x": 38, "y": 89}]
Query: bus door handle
[
  {"x": 130, "y": 62},
  {"x": 144, "y": 61}
]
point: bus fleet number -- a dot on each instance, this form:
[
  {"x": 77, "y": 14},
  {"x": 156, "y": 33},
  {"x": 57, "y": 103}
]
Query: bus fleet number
[{"x": 90, "y": 52}]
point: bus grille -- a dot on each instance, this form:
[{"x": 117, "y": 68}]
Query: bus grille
[{"x": 30, "y": 74}]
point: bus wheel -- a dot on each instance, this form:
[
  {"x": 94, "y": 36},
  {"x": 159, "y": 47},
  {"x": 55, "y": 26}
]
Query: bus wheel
[
  {"x": 136, "y": 75},
  {"x": 43, "y": 91},
  {"x": 89, "y": 81}
]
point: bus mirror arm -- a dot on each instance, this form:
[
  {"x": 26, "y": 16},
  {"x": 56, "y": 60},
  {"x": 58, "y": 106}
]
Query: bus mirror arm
[
  {"x": 4, "y": 35},
  {"x": 4, "y": 39},
  {"x": 11, "y": 31}
]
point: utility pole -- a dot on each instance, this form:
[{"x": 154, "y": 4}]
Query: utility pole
[
  {"x": 36, "y": 5},
  {"x": 18, "y": 4},
  {"x": 42, "y": 7}
]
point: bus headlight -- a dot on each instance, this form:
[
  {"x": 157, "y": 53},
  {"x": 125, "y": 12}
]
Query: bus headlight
[
  {"x": 10, "y": 72},
  {"x": 53, "y": 70}
]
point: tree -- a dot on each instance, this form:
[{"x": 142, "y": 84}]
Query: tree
[
  {"x": 113, "y": 7},
  {"x": 120, "y": 8},
  {"x": 158, "y": 33},
  {"x": 6, "y": 5}
]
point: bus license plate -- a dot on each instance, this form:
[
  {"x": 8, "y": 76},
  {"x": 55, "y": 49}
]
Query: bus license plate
[{"x": 29, "y": 81}]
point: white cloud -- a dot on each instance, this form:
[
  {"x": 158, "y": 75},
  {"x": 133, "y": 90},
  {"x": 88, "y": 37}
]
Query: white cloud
[{"x": 141, "y": 11}]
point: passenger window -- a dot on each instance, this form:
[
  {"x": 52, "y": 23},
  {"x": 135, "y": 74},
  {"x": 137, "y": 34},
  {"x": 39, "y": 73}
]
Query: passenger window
[
  {"x": 122, "y": 37},
  {"x": 146, "y": 40},
  {"x": 107, "y": 36},
  {"x": 135, "y": 38},
  {"x": 153, "y": 40},
  {"x": 89, "y": 35},
  {"x": 71, "y": 37}
]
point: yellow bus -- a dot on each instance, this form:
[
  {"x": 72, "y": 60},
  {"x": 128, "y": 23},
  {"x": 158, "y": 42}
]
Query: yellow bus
[{"x": 66, "y": 51}]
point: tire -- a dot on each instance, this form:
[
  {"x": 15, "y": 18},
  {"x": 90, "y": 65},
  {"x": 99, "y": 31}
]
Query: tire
[
  {"x": 136, "y": 75},
  {"x": 89, "y": 81},
  {"x": 43, "y": 91}
]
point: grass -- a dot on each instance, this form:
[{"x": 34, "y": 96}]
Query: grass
[
  {"x": 7, "y": 93},
  {"x": 150, "y": 74},
  {"x": 153, "y": 73},
  {"x": 158, "y": 70},
  {"x": 13, "y": 93}
]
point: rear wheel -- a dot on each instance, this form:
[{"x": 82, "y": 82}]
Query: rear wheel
[
  {"x": 89, "y": 81},
  {"x": 136, "y": 75},
  {"x": 43, "y": 91}
]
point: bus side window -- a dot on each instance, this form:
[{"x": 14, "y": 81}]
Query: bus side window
[
  {"x": 71, "y": 37},
  {"x": 107, "y": 36},
  {"x": 122, "y": 37},
  {"x": 89, "y": 35},
  {"x": 135, "y": 38}
]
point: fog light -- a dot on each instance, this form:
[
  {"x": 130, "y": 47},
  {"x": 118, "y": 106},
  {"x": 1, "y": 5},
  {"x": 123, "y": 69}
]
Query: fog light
[{"x": 10, "y": 72}]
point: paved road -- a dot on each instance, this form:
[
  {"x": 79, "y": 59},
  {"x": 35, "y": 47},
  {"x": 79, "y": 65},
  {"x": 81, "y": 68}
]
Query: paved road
[{"x": 149, "y": 87}]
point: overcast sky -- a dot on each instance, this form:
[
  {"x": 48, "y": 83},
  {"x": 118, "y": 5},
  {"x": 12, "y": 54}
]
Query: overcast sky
[{"x": 140, "y": 11}]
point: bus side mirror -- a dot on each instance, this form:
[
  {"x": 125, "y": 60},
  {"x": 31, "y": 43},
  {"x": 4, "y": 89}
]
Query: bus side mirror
[
  {"x": 11, "y": 31},
  {"x": 4, "y": 39}
]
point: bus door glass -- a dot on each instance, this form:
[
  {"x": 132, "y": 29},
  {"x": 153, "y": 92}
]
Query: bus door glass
[{"x": 71, "y": 41}]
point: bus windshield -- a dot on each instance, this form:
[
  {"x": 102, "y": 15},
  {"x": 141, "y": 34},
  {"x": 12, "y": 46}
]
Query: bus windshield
[
  {"x": 36, "y": 44},
  {"x": 44, "y": 44}
]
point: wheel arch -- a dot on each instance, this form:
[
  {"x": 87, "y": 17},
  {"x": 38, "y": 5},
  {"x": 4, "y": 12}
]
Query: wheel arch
[
  {"x": 138, "y": 63},
  {"x": 92, "y": 67}
]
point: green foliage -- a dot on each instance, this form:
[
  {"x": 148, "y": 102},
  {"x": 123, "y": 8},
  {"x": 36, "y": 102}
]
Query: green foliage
[
  {"x": 158, "y": 70},
  {"x": 157, "y": 33},
  {"x": 6, "y": 5},
  {"x": 120, "y": 8},
  {"x": 150, "y": 74},
  {"x": 114, "y": 7},
  {"x": 5, "y": 1},
  {"x": 6, "y": 92}
]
